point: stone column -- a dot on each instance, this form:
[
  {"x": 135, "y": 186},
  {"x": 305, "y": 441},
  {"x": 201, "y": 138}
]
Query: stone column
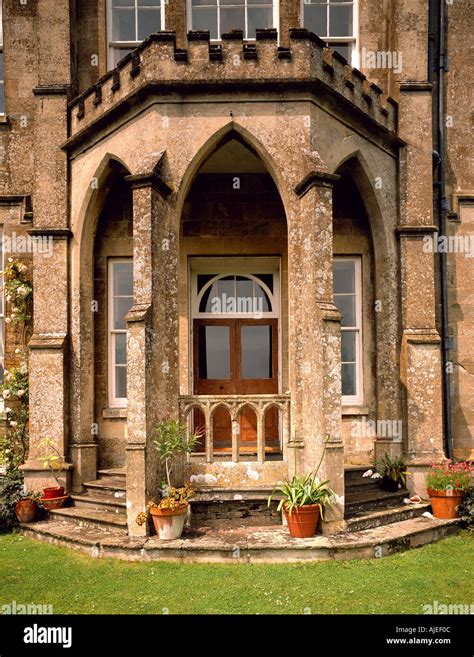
[
  {"x": 314, "y": 339},
  {"x": 48, "y": 345},
  {"x": 420, "y": 363},
  {"x": 151, "y": 341}
]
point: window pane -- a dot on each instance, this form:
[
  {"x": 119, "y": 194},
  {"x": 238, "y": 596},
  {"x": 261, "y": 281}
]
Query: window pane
[
  {"x": 123, "y": 278},
  {"x": 123, "y": 25},
  {"x": 207, "y": 304},
  {"x": 344, "y": 49},
  {"x": 121, "y": 382},
  {"x": 340, "y": 20},
  {"x": 348, "y": 346},
  {"x": 121, "y": 307},
  {"x": 258, "y": 19},
  {"x": 214, "y": 352},
  {"x": 120, "y": 348},
  {"x": 118, "y": 54},
  {"x": 149, "y": 21},
  {"x": 205, "y": 19},
  {"x": 346, "y": 305},
  {"x": 349, "y": 379},
  {"x": 196, "y": 3},
  {"x": 263, "y": 302},
  {"x": 244, "y": 287},
  {"x": 267, "y": 279},
  {"x": 149, "y": 3},
  {"x": 232, "y": 18},
  {"x": 256, "y": 343},
  {"x": 123, "y": 3},
  {"x": 315, "y": 19},
  {"x": 1, "y": 65},
  {"x": 344, "y": 276},
  {"x": 202, "y": 279},
  {"x": 226, "y": 287}
]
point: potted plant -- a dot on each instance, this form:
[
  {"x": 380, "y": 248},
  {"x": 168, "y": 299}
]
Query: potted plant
[
  {"x": 26, "y": 508},
  {"x": 446, "y": 483},
  {"x": 393, "y": 473},
  {"x": 53, "y": 496},
  {"x": 169, "y": 514},
  {"x": 303, "y": 500}
]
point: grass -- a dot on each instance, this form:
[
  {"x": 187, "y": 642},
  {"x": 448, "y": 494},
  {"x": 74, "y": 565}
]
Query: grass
[{"x": 37, "y": 573}]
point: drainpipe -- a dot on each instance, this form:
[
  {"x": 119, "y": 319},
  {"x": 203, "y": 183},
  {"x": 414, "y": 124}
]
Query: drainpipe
[{"x": 442, "y": 202}]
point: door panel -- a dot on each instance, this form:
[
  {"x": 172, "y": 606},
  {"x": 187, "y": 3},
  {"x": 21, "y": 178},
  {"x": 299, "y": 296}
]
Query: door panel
[{"x": 237, "y": 356}]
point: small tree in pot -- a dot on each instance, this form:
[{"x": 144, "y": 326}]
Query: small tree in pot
[
  {"x": 54, "y": 461},
  {"x": 169, "y": 514}
]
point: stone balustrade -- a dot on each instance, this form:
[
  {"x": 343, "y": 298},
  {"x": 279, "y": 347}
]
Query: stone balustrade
[{"x": 235, "y": 404}]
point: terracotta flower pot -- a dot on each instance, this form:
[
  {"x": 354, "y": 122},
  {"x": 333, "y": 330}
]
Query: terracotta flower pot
[
  {"x": 169, "y": 523},
  {"x": 303, "y": 520},
  {"x": 54, "y": 502},
  {"x": 445, "y": 503},
  {"x": 52, "y": 492},
  {"x": 26, "y": 510}
]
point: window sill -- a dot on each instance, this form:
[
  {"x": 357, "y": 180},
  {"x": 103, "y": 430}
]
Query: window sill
[
  {"x": 114, "y": 413},
  {"x": 4, "y": 120},
  {"x": 355, "y": 410}
]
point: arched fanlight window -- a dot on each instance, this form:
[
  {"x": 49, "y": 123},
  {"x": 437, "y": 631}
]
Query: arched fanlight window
[{"x": 235, "y": 294}]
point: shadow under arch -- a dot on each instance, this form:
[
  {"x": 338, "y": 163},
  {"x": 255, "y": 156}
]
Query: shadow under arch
[
  {"x": 221, "y": 137},
  {"x": 355, "y": 166},
  {"x": 110, "y": 169}
]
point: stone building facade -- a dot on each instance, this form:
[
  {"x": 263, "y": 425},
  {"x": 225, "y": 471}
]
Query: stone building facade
[{"x": 176, "y": 169}]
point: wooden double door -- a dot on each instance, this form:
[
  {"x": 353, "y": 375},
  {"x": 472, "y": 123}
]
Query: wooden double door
[{"x": 237, "y": 357}]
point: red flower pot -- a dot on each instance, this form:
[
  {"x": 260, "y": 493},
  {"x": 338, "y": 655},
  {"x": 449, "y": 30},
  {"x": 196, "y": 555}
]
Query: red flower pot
[
  {"x": 52, "y": 492},
  {"x": 54, "y": 502},
  {"x": 303, "y": 520},
  {"x": 26, "y": 510},
  {"x": 445, "y": 503}
]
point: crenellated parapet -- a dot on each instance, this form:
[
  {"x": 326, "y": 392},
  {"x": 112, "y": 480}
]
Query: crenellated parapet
[{"x": 159, "y": 68}]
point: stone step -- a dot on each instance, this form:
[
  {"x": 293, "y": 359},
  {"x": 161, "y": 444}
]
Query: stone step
[
  {"x": 361, "y": 521},
  {"x": 359, "y": 486},
  {"x": 99, "y": 501},
  {"x": 359, "y": 502},
  {"x": 352, "y": 472},
  {"x": 113, "y": 473},
  {"x": 94, "y": 518},
  {"x": 211, "y": 493},
  {"x": 246, "y": 544},
  {"x": 115, "y": 486}
]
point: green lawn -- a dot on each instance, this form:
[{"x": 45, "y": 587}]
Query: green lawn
[{"x": 36, "y": 573}]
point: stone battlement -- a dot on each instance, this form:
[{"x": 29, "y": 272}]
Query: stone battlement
[{"x": 157, "y": 66}]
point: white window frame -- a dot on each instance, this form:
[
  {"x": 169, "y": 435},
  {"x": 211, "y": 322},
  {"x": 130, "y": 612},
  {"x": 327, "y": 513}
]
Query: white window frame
[
  {"x": 276, "y": 18},
  {"x": 114, "y": 401},
  {"x": 241, "y": 266},
  {"x": 354, "y": 39},
  {"x": 358, "y": 398},
  {"x": 112, "y": 45}
]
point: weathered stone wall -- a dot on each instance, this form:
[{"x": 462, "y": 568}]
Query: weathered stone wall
[{"x": 460, "y": 193}]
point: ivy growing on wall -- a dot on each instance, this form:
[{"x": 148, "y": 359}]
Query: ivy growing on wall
[{"x": 18, "y": 292}]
